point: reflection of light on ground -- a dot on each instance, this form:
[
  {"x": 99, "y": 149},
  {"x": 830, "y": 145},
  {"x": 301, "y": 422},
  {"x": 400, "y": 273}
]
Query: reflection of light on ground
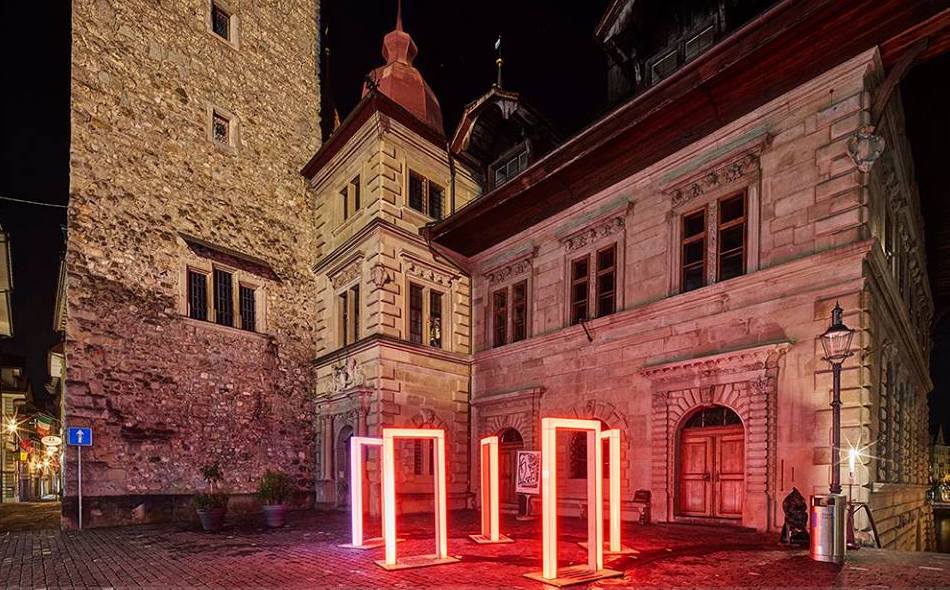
[{"x": 942, "y": 527}]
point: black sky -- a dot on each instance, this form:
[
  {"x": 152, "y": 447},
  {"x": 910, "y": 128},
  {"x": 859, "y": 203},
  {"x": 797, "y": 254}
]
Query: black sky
[{"x": 550, "y": 57}]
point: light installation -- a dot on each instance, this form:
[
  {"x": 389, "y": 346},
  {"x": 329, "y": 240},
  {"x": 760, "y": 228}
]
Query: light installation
[
  {"x": 613, "y": 546},
  {"x": 390, "y": 435},
  {"x": 595, "y": 526},
  {"x": 357, "y": 443},
  {"x": 489, "y": 494}
]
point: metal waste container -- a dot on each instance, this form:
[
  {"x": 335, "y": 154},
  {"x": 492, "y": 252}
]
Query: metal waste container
[{"x": 826, "y": 527}]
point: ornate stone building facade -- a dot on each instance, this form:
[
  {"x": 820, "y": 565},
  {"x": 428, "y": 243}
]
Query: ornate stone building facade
[
  {"x": 676, "y": 290},
  {"x": 393, "y": 322},
  {"x": 190, "y": 297}
]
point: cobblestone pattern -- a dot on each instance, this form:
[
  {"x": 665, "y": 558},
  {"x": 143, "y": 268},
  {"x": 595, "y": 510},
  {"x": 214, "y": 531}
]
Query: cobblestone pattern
[{"x": 305, "y": 555}]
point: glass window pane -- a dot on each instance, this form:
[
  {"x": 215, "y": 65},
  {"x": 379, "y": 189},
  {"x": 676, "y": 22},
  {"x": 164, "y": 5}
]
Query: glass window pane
[
  {"x": 500, "y": 317},
  {"x": 197, "y": 295},
  {"x": 730, "y": 266},
  {"x": 223, "y": 302},
  {"x": 415, "y": 314},
  {"x": 731, "y": 238},
  {"x": 416, "y": 192},
  {"x": 579, "y": 269},
  {"x": 220, "y": 22},
  {"x": 693, "y": 277},
  {"x": 247, "y": 297},
  {"x": 605, "y": 258},
  {"x": 700, "y": 43},
  {"x": 519, "y": 312},
  {"x": 694, "y": 252},
  {"x": 694, "y": 224},
  {"x": 435, "y": 318},
  {"x": 436, "y": 200},
  {"x": 731, "y": 209}
]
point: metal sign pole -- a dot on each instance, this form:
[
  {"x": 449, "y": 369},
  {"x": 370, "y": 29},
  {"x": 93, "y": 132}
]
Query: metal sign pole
[{"x": 79, "y": 462}]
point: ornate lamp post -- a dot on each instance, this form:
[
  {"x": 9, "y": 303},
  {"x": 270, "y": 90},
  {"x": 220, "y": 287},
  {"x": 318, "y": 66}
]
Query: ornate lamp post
[{"x": 836, "y": 342}]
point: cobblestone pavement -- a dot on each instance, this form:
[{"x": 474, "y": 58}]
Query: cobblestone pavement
[
  {"x": 304, "y": 554},
  {"x": 23, "y": 516}
]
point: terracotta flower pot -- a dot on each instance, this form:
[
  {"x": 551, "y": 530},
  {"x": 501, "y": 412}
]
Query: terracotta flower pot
[
  {"x": 275, "y": 515},
  {"x": 212, "y": 519}
]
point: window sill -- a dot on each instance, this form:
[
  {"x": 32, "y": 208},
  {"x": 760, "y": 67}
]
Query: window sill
[{"x": 224, "y": 329}]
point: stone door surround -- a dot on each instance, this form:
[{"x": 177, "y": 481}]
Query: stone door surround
[{"x": 743, "y": 380}]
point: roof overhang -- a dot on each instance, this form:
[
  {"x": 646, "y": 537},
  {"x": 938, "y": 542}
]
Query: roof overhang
[{"x": 780, "y": 49}]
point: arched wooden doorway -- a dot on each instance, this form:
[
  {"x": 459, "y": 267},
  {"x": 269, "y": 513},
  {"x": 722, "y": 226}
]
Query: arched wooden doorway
[
  {"x": 711, "y": 477},
  {"x": 342, "y": 464},
  {"x": 509, "y": 443}
]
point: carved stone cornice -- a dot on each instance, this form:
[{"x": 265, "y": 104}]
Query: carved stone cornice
[
  {"x": 418, "y": 268},
  {"x": 722, "y": 175},
  {"x": 595, "y": 233},
  {"x": 346, "y": 271},
  {"x": 509, "y": 271},
  {"x": 725, "y": 364}
]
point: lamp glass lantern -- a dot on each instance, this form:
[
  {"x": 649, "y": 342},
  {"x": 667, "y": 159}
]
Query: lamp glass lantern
[{"x": 836, "y": 341}]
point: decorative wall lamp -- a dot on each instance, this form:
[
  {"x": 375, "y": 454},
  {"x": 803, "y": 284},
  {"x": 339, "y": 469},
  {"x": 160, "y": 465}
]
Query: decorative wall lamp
[
  {"x": 594, "y": 570},
  {"x": 489, "y": 494},
  {"x": 390, "y": 435},
  {"x": 357, "y": 443}
]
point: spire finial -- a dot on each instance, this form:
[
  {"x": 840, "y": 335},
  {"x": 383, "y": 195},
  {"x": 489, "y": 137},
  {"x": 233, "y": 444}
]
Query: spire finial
[
  {"x": 498, "y": 61},
  {"x": 398, "y": 15}
]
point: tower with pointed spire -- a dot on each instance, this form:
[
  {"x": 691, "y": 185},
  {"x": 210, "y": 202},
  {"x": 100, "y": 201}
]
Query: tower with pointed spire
[
  {"x": 399, "y": 80},
  {"x": 393, "y": 323}
]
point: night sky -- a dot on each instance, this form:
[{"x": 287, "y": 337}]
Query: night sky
[{"x": 550, "y": 55}]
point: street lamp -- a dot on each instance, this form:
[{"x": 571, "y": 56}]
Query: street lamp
[{"x": 836, "y": 342}]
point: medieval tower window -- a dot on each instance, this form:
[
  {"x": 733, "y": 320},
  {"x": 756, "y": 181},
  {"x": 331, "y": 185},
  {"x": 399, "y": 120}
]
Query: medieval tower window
[
  {"x": 223, "y": 129},
  {"x": 226, "y": 297},
  {"x": 425, "y": 196},
  {"x": 425, "y": 315},
  {"x": 223, "y": 22}
]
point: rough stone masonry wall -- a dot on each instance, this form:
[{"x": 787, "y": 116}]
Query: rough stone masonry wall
[{"x": 165, "y": 394}]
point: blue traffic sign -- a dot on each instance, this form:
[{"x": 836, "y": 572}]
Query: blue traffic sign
[{"x": 79, "y": 436}]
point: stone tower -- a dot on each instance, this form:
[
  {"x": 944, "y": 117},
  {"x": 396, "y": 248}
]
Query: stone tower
[
  {"x": 393, "y": 320},
  {"x": 190, "y": 296}
]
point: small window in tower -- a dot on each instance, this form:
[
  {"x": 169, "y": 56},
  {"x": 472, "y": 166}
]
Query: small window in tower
[
  {"x": 223, "y": 298},
  {"x": 247, "y": 298},
  {"x": 416, "y": 192},
  {"x": 221, "y": 128},
  {"x": 436, "y": 200},
  {"x": 197, "y": 295},
  {"x": 220, "y": 21}
]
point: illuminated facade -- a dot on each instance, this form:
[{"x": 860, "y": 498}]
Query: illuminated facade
[{"x": 674, "y": 291}]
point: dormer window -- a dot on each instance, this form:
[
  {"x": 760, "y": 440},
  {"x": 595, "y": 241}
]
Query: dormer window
[
  {"x": 663, "y": 67},
  {"x": 680, "y": 51},
  {"x": 508, "y": 167},
  {"x": 699, "y": 43}
]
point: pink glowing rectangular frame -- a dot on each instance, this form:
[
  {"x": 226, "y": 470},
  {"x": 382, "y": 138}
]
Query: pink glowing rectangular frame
[
  {"x": 595, "y": 523},
  {"x": 389, "y": 496},
  {"x": 489, "y": 494},
  {"x": 613, "y": 443},
  {"x": 356, "y": 486}
]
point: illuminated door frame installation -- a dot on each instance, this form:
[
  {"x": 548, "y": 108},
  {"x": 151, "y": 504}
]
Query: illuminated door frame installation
[
  {"x": 390, "y": 435},
  {"x": 357, "y": 443},
  {"x": 613, "y": 546},
  {"x": 489, "y": 494},
  {"x": 595, "y": 526}
]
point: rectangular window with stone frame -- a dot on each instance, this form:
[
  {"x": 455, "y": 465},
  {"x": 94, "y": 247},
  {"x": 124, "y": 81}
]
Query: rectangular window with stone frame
[
  {"x": 348, "y": 313},
  {"x": 222, "y": 296},
  {"x": 593, "y": 287},
  {"x": 223, "y": 22},
  {"x": 350, "y": 198},
  {"x": 703, "y": 260},
  {"x": 426, "y": 315},
  {"x": 425, "y": 196},
  {"x": 509, "y": 313}
]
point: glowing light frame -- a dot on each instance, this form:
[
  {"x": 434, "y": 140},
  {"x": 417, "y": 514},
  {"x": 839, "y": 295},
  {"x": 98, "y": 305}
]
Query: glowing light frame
[
  {"x": 356, "y": 492},
  {"x": 489, "y": 494},
  {"x": 389, "y": 499},
  {"x": 595, "y": 525},
  {"x": 614, "y": 546}
]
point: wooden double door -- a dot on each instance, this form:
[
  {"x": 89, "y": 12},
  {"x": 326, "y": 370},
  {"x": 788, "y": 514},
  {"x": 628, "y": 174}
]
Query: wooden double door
[{"x": 712, "y": 472}]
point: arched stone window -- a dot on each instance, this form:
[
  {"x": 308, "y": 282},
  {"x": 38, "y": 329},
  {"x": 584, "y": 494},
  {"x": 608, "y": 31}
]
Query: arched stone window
[{"x": 713, "y": 416}]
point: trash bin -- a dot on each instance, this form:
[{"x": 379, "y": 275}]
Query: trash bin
[{"x": 826, "y": 527}]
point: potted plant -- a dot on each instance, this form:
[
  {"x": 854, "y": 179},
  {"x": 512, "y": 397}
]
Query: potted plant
[
  {"x": 272, "y": 491},
  {"x": 211, "y": 506}
]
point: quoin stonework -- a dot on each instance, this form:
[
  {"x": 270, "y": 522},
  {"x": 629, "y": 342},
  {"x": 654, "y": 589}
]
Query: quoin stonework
[{"x": 239, "y": 292}]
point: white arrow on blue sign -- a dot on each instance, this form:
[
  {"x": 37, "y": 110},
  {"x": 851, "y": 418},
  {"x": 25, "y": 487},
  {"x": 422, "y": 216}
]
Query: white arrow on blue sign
[{"x": 79, "y": 436}]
